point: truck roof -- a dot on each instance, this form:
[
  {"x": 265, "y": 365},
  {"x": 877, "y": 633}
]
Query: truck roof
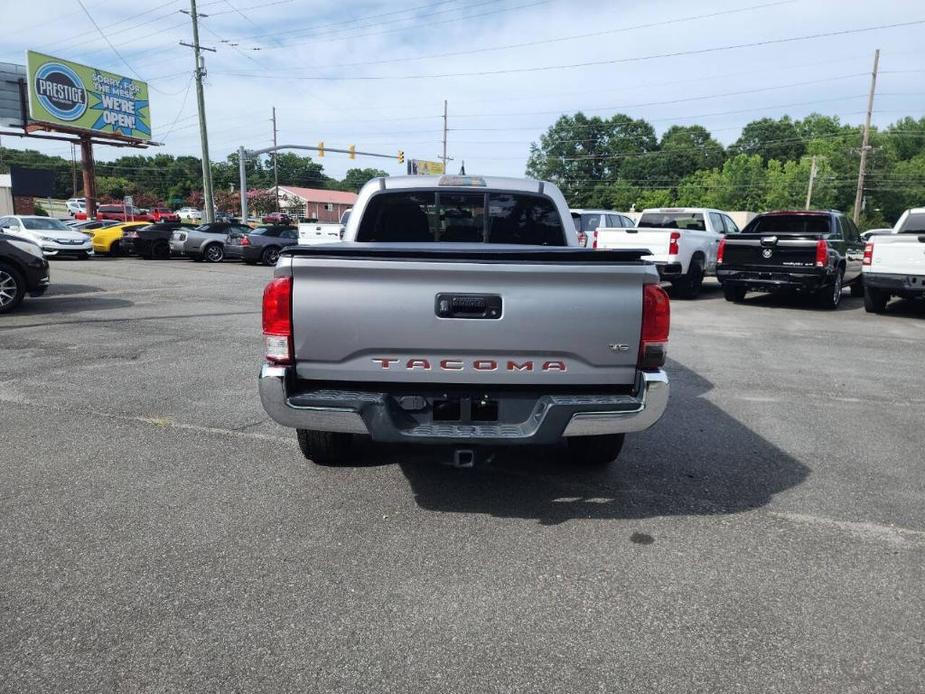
[
  {"x": 805, "y": 213},
  {"x": 668, "y": 210},
  {"x": 525, "y": 185}
]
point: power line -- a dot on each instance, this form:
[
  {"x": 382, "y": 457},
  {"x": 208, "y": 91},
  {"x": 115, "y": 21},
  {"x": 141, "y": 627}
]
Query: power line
[
  {"x": 430, "y": 24},
  {"x": 572, "y": 37},
  {"x": 106, "y": 39},
  {"x": 595, "y": 63}
]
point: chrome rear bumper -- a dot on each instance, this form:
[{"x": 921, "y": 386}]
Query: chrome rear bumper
[{"x": 368, "y": 413}]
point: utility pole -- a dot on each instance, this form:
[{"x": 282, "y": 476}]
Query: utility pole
[
  {"x": 444, "y": 136},
  {"x": 275, "y": 171},
  {"x": 209, "y": 202},
  {"x": 865, "y": 144},
  {"x": 812, "y": 179}
]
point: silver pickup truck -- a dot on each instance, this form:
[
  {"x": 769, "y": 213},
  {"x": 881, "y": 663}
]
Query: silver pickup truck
[{"x": 460, "y": 311}]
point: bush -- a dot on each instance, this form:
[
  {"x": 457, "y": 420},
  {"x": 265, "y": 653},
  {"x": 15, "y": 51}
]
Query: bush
[{"x": 38, "y": 210}]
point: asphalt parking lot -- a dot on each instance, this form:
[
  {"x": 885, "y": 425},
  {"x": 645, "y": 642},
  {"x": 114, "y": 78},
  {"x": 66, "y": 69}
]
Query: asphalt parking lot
[{"x": 157, "y": 532}]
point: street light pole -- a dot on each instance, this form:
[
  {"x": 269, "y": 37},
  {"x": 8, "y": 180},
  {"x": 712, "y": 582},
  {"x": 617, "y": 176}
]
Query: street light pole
[
  {"x": 275, "y": 170},
  {"x": 242, "y": 174}
]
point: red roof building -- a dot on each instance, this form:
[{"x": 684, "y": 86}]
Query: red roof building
[{"x": 315, "y": 203}]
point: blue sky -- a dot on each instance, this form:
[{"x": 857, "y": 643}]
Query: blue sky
[{"x": 375, "y": 73}]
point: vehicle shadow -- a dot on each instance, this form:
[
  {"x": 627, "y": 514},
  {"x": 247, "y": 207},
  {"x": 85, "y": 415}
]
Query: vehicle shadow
[
  {"x": 905, "y": 308},
  {"x": 799, "y": 302},
  {"x": 57, "y": 289},
  {"x": 53, "y": 303},
  {"x": 699, "y": 460}
]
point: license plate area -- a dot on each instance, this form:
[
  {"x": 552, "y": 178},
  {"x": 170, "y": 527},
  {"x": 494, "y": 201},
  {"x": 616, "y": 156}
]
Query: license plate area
[{"x": 464, "y": 409}]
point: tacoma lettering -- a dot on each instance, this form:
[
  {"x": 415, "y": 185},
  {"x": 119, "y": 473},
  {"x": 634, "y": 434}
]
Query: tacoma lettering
[{"x": 475, "y": 365}]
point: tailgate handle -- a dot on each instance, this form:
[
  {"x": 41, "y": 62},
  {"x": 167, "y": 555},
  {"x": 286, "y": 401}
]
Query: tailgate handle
[
  {"x": 922, "y": 238},
  {"x": 486, "y": 306},
  {"x": 768, "y": 240}
]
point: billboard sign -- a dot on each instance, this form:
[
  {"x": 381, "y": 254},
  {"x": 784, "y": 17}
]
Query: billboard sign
[
  {"x": 421, "y": 167},
  {"x": 79, "y": 97},
  {"x": 11, "y": 115}
]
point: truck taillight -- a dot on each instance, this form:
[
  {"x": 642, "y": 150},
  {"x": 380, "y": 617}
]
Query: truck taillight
[
  {"x": 277, "y": 320},
  {"x": 673, "y": 243},
  {"x": 582, "y": 239},
  {"x": 721, "y": 251},
  {"x": 656, "y": 321},
  {"x": 594, "y": 239},
  {"x": 822, "y": 253},
  {"x": 868, "y": 254}
]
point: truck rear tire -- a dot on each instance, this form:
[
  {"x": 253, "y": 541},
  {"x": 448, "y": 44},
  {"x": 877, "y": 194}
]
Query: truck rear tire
[
  {"x": 689, "y": 286},
  {"x": 325, "y": 447},
  {"x": 735, "y": 293},
  {"x": 829, "y": 297},
  {"x": 595, "y": 450},
  {"x": 875, "y": 300}
]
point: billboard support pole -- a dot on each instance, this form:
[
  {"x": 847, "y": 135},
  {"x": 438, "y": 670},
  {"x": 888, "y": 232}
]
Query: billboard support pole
[{"x": 86, "y": 158}]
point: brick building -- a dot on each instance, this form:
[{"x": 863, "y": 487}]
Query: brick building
[{"x": 315, "y": 203}]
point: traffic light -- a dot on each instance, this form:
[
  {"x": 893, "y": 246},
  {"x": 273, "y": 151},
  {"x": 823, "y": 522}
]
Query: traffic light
[
  {"x": 321, "y": 149},
  {"x": 401, "y": 156},
  {"x": 352, "y": 151}
]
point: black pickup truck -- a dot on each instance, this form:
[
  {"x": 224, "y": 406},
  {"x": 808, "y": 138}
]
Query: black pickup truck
[{"x": 816, "y": 253}]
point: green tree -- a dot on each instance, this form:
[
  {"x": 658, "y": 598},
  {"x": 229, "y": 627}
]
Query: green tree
[
  {"x": 357, "y": 178},
  {"x": 579, "y": 153},
  {"x": 296, "y": 170},
  {"x": 114, "y": 187},
  {"x": 771, "y": 139},
  {"x": 683, "y": 150}
]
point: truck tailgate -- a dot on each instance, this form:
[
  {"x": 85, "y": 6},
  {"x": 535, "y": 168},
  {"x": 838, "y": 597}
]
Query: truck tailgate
[
  {"x": 655, "y": 240},
  {"x": 759, "y": 251},
  {"x": 899, "y": 254},
  {"x": 563, "y": 316}
]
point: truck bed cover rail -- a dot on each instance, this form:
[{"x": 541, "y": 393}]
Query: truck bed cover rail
[{"x": 482, "y": 253}]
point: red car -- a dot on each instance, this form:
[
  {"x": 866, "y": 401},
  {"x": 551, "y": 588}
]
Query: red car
[
  {"x": 163, "y": 214},
  {"x": 277, "y": 218}
]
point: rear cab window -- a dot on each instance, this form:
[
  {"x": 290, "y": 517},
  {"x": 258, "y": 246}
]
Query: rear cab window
[
  {"x": 693, "y": 221},
  {"x": 914, "y": 223},
  {"x": 449, "y": 216},
  {"x": 790, "y": 224}
]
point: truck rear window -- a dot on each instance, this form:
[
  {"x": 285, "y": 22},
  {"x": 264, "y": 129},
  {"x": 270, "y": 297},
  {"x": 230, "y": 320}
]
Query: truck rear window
[
  {"x": 913, "y": 224},
  {"x": 461, "y": 217},
  {"x": 788, "y": 224},
  {"x": 673, "y": 220}
]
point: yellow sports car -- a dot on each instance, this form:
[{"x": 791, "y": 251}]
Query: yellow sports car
[{"x": 108, "y": 240}]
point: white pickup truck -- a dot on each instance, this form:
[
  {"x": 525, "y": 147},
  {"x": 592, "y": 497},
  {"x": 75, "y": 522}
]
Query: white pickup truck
[
  {"x": 315, "y": 233},
  {"x": 683, "y": 242},
  {"x": 894, "y": 264}
]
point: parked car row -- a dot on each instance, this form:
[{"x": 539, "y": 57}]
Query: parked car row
[{"x": 813, "y": 253}]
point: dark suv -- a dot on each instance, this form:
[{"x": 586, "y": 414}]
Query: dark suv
[
  {"x": 23, "y": 270},
  {"x": 815, "y": 253}
]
